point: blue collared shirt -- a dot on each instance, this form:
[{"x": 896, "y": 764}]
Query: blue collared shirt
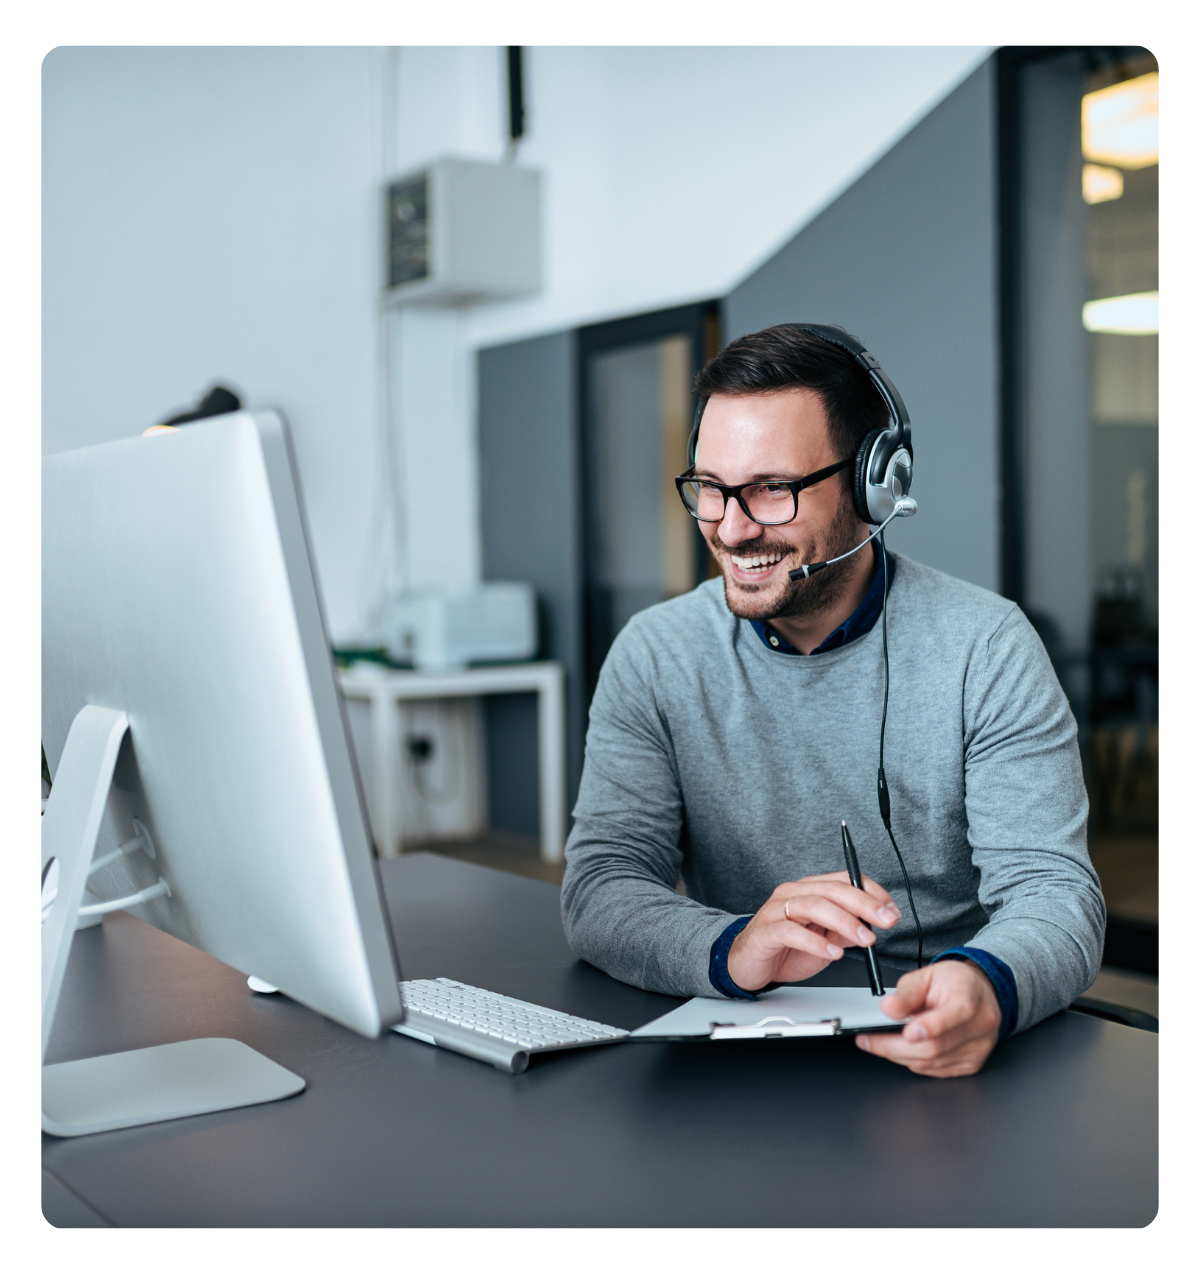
[{"x": 860, "y": 622}]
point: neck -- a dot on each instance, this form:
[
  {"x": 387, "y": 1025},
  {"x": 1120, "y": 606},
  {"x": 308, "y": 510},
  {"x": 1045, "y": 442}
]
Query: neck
[{"x": 807, "y": 632}]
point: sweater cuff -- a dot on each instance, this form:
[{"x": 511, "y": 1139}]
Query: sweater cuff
[
  {"x": 718, "y": 968},
  {"x": 999, "y": 974}
]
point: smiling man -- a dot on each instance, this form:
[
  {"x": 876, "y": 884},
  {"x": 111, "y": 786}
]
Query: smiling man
[{"x": 733, "y": 728}]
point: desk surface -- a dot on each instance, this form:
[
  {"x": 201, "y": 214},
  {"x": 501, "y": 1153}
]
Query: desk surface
[{"x": 1059, "y": 1129}]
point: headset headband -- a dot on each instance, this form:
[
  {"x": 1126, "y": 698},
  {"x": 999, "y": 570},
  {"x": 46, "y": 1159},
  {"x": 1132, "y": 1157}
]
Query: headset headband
[{"x": 899, "y": 427}]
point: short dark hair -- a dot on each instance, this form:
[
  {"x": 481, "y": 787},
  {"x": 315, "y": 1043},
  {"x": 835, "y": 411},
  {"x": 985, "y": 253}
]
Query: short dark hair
[{"x": 784, "y": 358}]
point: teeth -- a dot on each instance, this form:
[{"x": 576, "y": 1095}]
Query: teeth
[{"x": 756, "y": 561}]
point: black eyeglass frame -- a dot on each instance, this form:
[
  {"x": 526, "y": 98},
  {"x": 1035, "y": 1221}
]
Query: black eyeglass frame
[{"x": 794, "y": 485}]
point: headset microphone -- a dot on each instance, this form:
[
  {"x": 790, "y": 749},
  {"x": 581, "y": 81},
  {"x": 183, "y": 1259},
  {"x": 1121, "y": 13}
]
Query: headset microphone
[{"x": 905, "y": 507}]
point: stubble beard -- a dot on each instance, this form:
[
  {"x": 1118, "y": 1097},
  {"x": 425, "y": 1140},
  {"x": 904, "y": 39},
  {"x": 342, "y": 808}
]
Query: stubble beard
[{"x": 801, "y": 598}]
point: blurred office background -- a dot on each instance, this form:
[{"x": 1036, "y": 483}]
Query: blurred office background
[{"x": 986, "y": 221}]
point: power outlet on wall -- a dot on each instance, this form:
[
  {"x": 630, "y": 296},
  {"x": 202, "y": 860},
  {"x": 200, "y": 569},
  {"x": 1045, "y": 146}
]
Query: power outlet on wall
[{"x": 441, "y": 783}]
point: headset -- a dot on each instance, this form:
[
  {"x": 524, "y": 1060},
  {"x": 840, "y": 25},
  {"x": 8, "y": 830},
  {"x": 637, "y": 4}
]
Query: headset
[{"x": 883, "y": 471}]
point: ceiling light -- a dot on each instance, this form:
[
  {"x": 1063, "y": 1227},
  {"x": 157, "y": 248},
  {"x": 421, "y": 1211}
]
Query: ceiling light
[
  {"x": 1132, "y": 315},
  {"x": 1101, "y": 184},
  {"x": 1120, "y": 123}
]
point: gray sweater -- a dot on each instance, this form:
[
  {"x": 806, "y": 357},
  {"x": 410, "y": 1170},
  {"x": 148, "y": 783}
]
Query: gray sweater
[{"x": 713, "y": 757}]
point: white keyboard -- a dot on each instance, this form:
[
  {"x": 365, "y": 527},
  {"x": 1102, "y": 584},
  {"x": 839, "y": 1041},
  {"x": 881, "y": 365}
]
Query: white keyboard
[{"x": 491, "y": 1027}]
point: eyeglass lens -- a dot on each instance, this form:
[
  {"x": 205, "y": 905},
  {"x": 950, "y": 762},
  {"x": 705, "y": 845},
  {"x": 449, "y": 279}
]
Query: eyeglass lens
[{"x": 768, "y": 503}]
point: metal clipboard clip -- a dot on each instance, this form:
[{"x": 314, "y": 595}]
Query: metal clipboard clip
[{"x": 778, "y": 1025}]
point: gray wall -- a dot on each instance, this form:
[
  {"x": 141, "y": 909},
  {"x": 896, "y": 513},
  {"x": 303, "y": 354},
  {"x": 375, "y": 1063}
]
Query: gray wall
[
  {"x": 906, "y": 260},
  {"x": 531, "y": 527}
]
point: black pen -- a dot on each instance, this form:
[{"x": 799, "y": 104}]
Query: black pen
[{"x": 856, "y": 882}]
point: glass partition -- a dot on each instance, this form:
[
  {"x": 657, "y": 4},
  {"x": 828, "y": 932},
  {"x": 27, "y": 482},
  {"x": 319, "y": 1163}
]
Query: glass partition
[{"x": 1084, "y": 435}]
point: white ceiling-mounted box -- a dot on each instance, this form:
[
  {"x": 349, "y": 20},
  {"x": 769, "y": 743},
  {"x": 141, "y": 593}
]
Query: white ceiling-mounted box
[{"x": 462, "y": 231}]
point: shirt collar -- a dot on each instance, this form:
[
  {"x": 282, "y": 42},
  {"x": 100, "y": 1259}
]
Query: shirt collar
[{"x": 861, "y": 621}]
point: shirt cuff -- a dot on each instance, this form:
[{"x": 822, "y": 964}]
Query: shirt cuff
[
  {"x": 718, "y": 958},
  {"x": 1001, "y": 977}
]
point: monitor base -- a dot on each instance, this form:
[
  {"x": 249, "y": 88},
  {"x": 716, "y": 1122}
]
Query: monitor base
[
  {"x": 141, "y": 1086},
  {"x": 163, "y": 1082}
]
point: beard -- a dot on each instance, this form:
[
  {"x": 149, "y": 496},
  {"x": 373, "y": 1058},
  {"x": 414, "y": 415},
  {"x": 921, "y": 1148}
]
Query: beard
[{"x": 791, "y": 599}]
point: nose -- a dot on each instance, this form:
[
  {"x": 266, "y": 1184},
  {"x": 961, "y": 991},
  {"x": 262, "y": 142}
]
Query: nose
[{"x": 735, "y": 527}]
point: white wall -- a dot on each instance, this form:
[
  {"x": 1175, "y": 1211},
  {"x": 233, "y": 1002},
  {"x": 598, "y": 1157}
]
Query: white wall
[
  {"x": 210, "y": 214},
  {"x": 213, "y": 213},
  {"x": 672, "y": 173}
]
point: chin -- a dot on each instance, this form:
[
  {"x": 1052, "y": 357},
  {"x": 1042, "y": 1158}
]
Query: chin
[{"x": 754, "y": 602}]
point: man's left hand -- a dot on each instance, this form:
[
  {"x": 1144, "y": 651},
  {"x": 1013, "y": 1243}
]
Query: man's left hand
[{"x": 955, "y": 1020}]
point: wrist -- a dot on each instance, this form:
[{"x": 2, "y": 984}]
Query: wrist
[
  {"x": 999, "y": 977},
  {"x": 986, "y": 991},
  {"x": 718, "y": 961}
]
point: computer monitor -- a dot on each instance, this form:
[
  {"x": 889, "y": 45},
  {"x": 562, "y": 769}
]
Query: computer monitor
[{"x": 191, "y": 717}]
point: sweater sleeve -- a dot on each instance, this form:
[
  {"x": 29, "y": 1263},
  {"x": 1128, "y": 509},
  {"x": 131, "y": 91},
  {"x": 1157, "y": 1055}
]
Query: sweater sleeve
[
  {"x": 620, "y": 908},
  {"x": 1027, "y": 818}
]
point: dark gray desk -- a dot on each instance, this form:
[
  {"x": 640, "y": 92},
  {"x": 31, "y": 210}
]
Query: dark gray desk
[{"x": 1059, "y": 1129}]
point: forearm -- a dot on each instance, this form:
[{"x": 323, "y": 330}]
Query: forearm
[
  {"x": 624, "y": 918},
  {"x": 1025, "y": 789},
  {"x": 1051, "y": 964}
]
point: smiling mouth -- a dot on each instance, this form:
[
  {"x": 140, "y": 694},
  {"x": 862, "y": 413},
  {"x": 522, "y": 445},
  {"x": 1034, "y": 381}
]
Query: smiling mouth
[{"x": 755, "y": 564}]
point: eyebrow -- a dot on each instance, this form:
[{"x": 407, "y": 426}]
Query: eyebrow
[{"x": 755, "y": 478}]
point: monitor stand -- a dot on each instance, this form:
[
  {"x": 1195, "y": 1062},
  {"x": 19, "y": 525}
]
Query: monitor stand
[{"x": 140, "y": 1086}]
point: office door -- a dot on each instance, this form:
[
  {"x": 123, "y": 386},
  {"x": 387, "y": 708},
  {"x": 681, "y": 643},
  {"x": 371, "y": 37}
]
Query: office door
[{"x": 640, "y": 545}]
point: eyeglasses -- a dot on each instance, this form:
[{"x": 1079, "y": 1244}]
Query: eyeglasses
[{"x": 767, "y": 503}]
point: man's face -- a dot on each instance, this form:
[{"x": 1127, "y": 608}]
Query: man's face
[{"x": 750, "y": 437}]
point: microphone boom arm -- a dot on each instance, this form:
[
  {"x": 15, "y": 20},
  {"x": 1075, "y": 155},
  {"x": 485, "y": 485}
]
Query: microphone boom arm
[{"x": 906, "y": 506}]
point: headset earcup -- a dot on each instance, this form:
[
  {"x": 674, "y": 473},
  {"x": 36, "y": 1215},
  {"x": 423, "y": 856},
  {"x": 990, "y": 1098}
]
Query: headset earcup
[{"x": 860, "y": 474}]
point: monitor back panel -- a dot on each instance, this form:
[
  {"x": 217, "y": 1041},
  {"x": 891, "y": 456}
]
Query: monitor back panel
[{"x": 178, "y": 586}]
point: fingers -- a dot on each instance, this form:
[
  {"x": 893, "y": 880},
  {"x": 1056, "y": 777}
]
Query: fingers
[
  {"x": 878, "y": 910},
  {"x": 942, "y": 997},
  {"x": 940, "y": 1023},
  {"x": 910, "y": 995},
  {"x": 955, "y": 1021},
  {"x": 959, "y": 1051},
  {"x": 962, "y": 1057},
  {"x": 805, "y": 909},
  {"x": 876, "y": 891},
  {"x": 804, "y": 925},
  {"x": 870, "y": 886},
  {"x": 802, "y": 938}
]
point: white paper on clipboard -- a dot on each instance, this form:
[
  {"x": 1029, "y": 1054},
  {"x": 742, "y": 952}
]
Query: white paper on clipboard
[{"x": 855, "y": 1007}]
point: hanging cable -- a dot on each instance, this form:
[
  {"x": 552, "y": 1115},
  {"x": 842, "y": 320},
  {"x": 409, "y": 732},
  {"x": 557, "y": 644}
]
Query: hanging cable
[
  {"x": 885, "y": 801},
  {"x": 516, "y": 100},
  {"x": 385, "y": 551}
]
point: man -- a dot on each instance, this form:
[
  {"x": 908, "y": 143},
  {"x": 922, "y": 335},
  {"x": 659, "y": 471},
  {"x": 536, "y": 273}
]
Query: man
[{"x": 733, "y": 728}]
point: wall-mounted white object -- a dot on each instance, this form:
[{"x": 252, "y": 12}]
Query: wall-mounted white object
[{"x": 462, "y": 231}]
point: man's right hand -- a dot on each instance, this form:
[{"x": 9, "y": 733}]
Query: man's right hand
[{"x": 806, "y": 924}]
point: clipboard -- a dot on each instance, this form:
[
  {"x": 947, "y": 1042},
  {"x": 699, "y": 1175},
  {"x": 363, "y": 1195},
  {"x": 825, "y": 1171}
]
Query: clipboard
[
  {"x": 780, "y": 1014},
  {"x": 779, "y": 1027}
]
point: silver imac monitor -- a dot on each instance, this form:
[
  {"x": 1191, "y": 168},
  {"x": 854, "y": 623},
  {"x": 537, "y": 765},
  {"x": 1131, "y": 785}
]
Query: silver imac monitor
[{"x": 203, "y": 774}]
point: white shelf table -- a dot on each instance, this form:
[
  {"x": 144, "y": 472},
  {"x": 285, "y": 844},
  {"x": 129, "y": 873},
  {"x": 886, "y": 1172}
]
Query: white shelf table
[{"x": 384, "y": 688}]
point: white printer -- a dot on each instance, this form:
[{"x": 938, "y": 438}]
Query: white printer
[{"x": 450, "y": 628}]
